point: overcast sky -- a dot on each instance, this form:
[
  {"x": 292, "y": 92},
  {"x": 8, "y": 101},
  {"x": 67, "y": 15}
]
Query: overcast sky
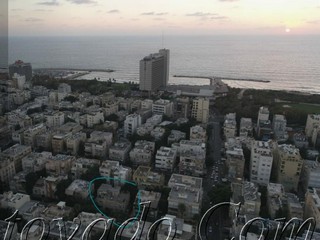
[{"x": 151, "y": 17}]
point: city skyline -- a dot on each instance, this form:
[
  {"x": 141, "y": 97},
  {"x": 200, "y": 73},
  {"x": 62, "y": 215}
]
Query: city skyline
[{"x": 142, "y": 17}]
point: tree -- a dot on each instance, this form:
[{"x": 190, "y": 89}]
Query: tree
[{"x": 61, "y": 188}]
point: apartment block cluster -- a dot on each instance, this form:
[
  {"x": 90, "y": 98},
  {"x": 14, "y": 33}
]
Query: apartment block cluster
[
  {"x": 291, "y": 181},
  {"x": 46, "y": 133}
]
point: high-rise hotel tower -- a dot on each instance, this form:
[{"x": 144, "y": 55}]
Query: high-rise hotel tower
[{"x": 154, "y": 70}]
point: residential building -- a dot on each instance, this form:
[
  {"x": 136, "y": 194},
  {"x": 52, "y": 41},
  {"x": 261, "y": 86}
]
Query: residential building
[
  {"x": 300, "y": 140},
  {"x": 279, "y": 125},
  {"x": 310, "y": 174},
  {"x": 155, "y": 119},
  {"x": 192, "y": 157},
  {"x": 55, "y": 119},
  {"x": 154, "y": 71},
  {"x": 13, "y": 201},
  {"x": 112, "y": 198},
  {"x": 261, "y": 162},
  {"x": 18, "y": 183},
  {"x": 230, "y": 126},
  {"x": 313, "y": 121},
  {"x": 182, "y": 230},
  {"x": 31, "y": 210},
  {"x": 166, "y": 159},
  {"x": 132, "y": 122},
  {"x": 79, "y": 189},
  {"x": 21, "y": 68},
  {"x": 44, "y": 141},
  {"x": 175, "y": 136},
  {"x": 59, "y": 142},
  {"x": 64, "y": 88},
  {"x": 116, "y": 173},
  {"x": 15, "y": 154},
  {"x": 146, "y": 179},
  {"x": 153, "y": 197},
  {"x": 95, "y": 118},
  {"x": 60, "y": 209},
  {"x": 162, "y": 107},
  {"x": 200, "y": 109},
  {"x": 187, "y": 191},
  {"x": 275, "y": 198},
  {"x": 158, "y": 133},
  {"x": 97, "y": 146},
  {"x": 82, "y": 165},
  {"x": 111, "y": 107},
  {"x": 289, "y": 165},
  {"x": 29, "y": 135},
  {"x": 110, "y": 126},
  {"x": 181, "y": 106},
  {"x": 142, "y": 153},
  {"x": 146, "y": 104},
  {"x": 59, "y": 165},
  {"x": 294, "y": 206},
  {"x": 312, "y": 205},
  {"x": 264, "y": 127},
  {"x": 74, "y": 141},
  {"x": 7, "y": 171},
  {"x": 234, "y": 158},
  {"x": 120, "y": 150},
  {"x": 246, "y": 129},
  {"x": 68, "y": 127},
  {"x": 248, "y": 194},
  {"x": 35, "y": 162},
  {"x": 198, "y": 133}
]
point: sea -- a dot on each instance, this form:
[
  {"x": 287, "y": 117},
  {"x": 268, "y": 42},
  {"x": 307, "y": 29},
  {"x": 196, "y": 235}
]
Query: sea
[{"x": 289, "y": 62}]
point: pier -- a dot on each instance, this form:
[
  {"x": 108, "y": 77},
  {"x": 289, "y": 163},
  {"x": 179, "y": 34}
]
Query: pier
[{"x": 214, "y": 78}]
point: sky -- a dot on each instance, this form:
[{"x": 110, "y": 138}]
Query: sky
[{"x": 170, "y": 17}]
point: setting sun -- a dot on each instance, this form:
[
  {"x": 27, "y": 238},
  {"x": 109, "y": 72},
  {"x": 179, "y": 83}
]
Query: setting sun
[{"x": 288, "y": 30}]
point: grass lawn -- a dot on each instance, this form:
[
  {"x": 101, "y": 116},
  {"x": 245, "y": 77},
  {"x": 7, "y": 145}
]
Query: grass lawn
[{"x": 303, "y": 107}]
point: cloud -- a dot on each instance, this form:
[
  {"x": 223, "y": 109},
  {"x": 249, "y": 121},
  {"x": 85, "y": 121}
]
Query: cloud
[
  {"x": 162, "y": 13},
  {"x": 43, "y": 10},
  {"x": 114, "y": 11},
  {"x": 200, "y": 14},
  {"x": 154, "y": 13},
  {"x": 32, "y": 19},
  {"x": 49, "y": 3},
  {"x": 79, "y": 2},
  {"x": 228, "y": 0},
  {"x": 219, "y": 18},
  {"x": 148, "y": 13}
]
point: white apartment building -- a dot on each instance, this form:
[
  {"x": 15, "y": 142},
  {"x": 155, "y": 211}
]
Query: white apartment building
[
  {"x": 35, "y": 161},
  {"x": 73, "y": 142},
  {"x": 14, "y": 201},
  {"x": 162, "y": 106},
  {"x": 59, "y": 165},
  {"x": 113, "y": 169},
  {"x": 166, "y": 158},
  {"x": 263, "y": 115},
  {"x": 146, "y": 104},
  {"x": 55, "y": 119},
  {"x": 198, "y": 133},
  {"x": 230, "y": 126},
  {"x": 79, "y": 189},
  {"x": 192, "y": 157},
  {"x": 111, "y": 107},
  {"x": 261, "y": 162},
  {"x": 200, "y": 109},
  {"x": 155, "y": 119},
  {"x": 132, "y": 122},
  {"x": 157, "y": 133},
  {"x": 81, "y": 166},
  {"x": 175, "y": 136},
  {"x": 29, "y": 135},
  {"x": 245, "y": 127},
  {"x": 279, "y": 125},
  {"x": 185, "y": 190},
  {"x": 313, "y": 121},
  {"x": 142, "y": 153},
  {"x": 15, "y": 154},
  {"x": 94, "y": 118},
  {"x": 120, "y": 151}
]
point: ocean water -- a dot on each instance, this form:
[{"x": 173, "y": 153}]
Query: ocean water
[{"x": 289, "y": 62}]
